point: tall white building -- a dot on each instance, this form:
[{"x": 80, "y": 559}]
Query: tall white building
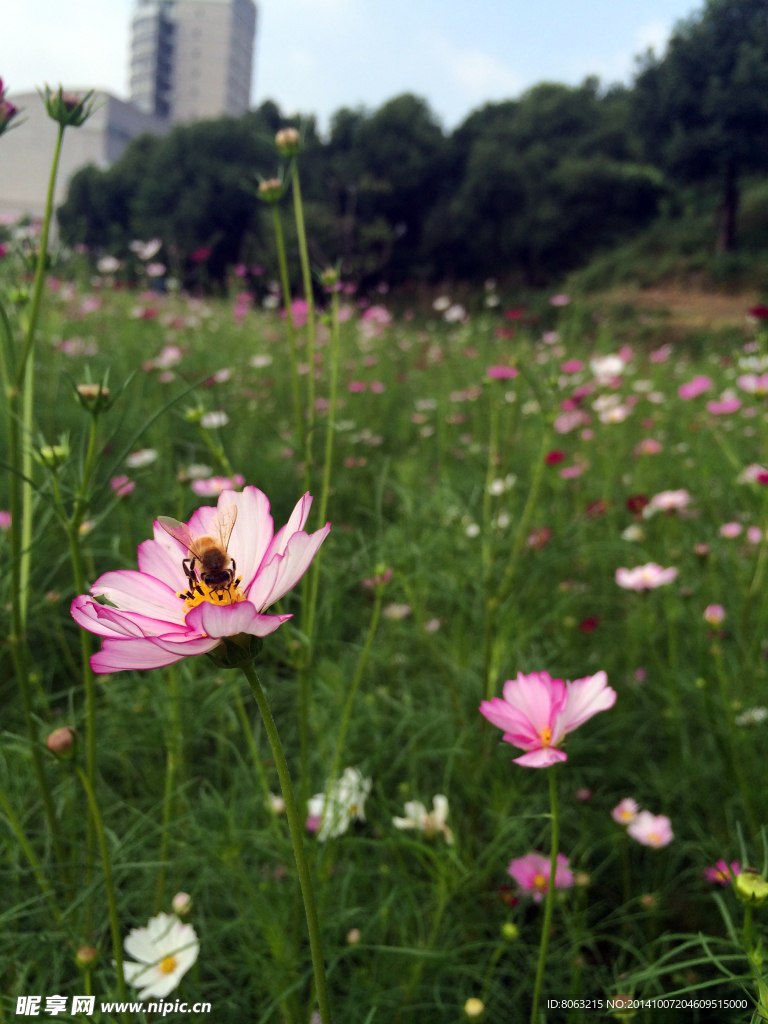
[{"x": 192, "y": 59}]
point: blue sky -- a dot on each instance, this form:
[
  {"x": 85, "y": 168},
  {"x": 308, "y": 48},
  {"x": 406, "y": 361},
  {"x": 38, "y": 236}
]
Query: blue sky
[{"x": 318, "y": 55}]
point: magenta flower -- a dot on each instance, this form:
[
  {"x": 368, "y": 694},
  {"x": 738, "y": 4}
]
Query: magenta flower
[
  {"x": 645, "y": 577},
  {"x": 721, "y": 873},
  {"x": 155, "y": 617},
  {"x": 122, "y": 485},
  {"x": 537, "y": 712},
  {"x": 723, "y": 407},
  {"x": 532, "y": 874},
  {"x": 572, "y": 366},
  {"x": 501, "y": 372},
  {"x": 651, "y": 829},
  {"x": 695, "y": 387},
  {"x": 5, "y": 520},
  {"x": 625, "y": 811}
]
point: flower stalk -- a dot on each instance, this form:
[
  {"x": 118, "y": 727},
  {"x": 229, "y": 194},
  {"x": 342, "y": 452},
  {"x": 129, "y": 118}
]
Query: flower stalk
[
  {"x": 548, "y": 906},
  {"x": 306, "y": 273},
  {"x": 297, "y": 839}
]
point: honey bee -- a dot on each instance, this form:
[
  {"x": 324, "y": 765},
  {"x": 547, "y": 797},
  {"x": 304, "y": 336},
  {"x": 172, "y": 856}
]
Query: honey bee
[{"x": 217, "y": 570}]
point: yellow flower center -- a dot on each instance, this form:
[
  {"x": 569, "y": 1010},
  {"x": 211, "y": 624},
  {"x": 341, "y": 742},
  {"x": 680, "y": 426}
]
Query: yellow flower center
[
  {"x": 202, "y": 592},
  {"x": 546, "y": 737},
  {"x": 654, "y": 838},
  {"x": 168, "y": 964},
  {"x": 539, "y": 881}
]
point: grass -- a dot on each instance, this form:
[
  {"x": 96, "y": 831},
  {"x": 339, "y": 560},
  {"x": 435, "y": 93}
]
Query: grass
[{"x": 409, "y": 491}]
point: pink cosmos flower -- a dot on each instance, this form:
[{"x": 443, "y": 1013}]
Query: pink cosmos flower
[
  {"x": 661, "y": 355},
  {"x": 695, "y": 387},
  {"x": 645, "y": 577},
  {"x": 560, "y": 300},
  {"x": 532, "y": 874},
  {"x": 568, "y": 421},
  {"x": 721, "y": 873},
  {"x": 625, "y": 811},
  {"x": 213, "y": 486},
  {"x": 648, "y": 446},
  {"x": 150, "y": 621},
  {"x": 538, "y": 711},
  {"x": 722, "y": 408},
  {"x": 751, "y": 474},
  {"x": 754, "y": 535},
  {"x": 651, "y": 829},
  {"x": 122, "y": 485},
  {"x": 5, "y": 520},
  {"x": 502, "y": 372},
  {"x": 666, "y": 501},
  {"x": 730, "y": 530},
  {"x": 714, "y": 614},
  {"x": 572, "y": 366},
  {"x": 754, "y": 384},
  {"x": 571, "y": 472}
]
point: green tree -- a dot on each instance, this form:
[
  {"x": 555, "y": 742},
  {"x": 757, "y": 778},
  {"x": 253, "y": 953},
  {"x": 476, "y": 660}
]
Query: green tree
[
  {"x": 537, "y": 184},
  {"x": 702, "y": 108}
]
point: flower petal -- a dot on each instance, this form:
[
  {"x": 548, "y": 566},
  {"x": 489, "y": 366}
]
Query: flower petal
[
  {"x": 106, "y": 621},
  {"x": 299, "y": 552},
  {"x": 122, "y": 655},
  {"x": 253, "y": 530},
  {"x": 163, "y": 561},
  {"x": 295, "y": 524},
  {"x": 217, "y": 620},
  {"x": 585, "y": 698},
  {"x": 541, "y": 758},
  {"x": 132, "y": 591}
]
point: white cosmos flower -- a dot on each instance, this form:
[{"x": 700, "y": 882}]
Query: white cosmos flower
[
  {"x": 441, "y": 303},
  {"x": 214, "y": 419},
  {"x": 108, "y": 265},
  {"x": 165, "y": 951},
  {"x": 141, "y": 458},
  {"x": 346, "y": 803},
  {"x": 605, "y": 368},
  {"x": 260, "y": 361},
  {"x": 428, "y": 822}
]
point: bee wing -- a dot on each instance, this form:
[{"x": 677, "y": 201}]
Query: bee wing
[
  {"x": 223, "y": 523},
  {"x": 180, "y": 532}
]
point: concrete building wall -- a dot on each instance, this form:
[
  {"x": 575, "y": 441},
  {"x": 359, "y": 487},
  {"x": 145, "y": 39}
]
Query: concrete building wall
[
  {"x": 213, "y": 58},
  {"x": 26, "y": 152}
]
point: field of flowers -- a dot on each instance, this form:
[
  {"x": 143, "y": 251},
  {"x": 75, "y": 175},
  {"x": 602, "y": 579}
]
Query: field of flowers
[{"x": 520, "y": 494}]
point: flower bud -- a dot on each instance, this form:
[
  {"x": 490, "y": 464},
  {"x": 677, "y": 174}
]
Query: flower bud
[
  {"x": 67, "y": 108},
  {"x": 751, "y": 887},
  {"x": 329, "y": 278},
  {"x": 474, "y": 1008},
  {"x": 94, "y": 398},
  {"x": 61, "y": 742},
  {"x": 52, "y": 455},
  {"x": 19, "y": 296},
  {"x": 7, "y": 111},
  {"x": 288, "y": 142},
  {"x": 271, "y": 190},
  {"x": 182, "y": 904},
  {"x": 194, "y": 414},
  {"x": 510, "y": 931},
  {"x": 86, "y": 956}
]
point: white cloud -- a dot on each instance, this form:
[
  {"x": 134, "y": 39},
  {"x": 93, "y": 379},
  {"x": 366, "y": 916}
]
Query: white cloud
[
  {"x": 477, "y": 74},
  {"x": 654, "y": 35}
]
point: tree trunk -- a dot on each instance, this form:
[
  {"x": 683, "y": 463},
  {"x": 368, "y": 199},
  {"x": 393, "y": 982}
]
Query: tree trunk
[{"x": 726, "y": 240}]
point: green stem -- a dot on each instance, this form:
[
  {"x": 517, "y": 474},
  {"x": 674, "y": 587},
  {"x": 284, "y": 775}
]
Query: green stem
[
  {"x": 298, "y": 209},
  {"x": 347, "y": 713},
  {"x": 257, "y": 762},
  {"x": 297, "y": 839},
  {"x": 30, "y": 854},
  {"x": 547, "y": 924},
  {"x": 25, "y": 379},
  {"x": 309, "y": 623},
  {"x": 286, "y": 286},
  {"x": 172, "y": 762},
  {"x": 494, "y": 601},
  {"x": 114, "y": 920},
  {"x": 741, "y": 782}
]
